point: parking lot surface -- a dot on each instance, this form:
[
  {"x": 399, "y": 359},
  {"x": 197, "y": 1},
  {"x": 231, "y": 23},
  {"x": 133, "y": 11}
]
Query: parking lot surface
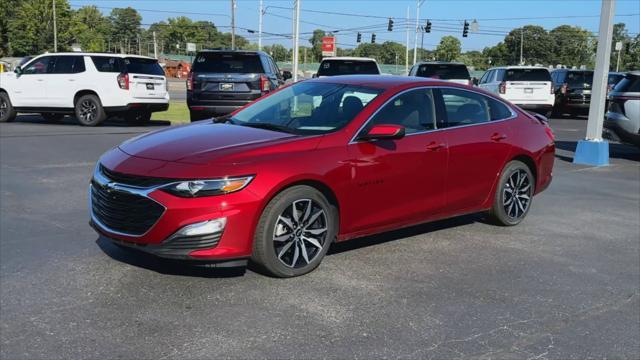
[{"x": 563, "y": 284}]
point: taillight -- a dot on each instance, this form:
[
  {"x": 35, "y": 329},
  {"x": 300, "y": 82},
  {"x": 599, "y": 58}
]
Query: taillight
[
  {"x": 552, "y": 90},
  {"x": 549, "y": 132},
  {"x": 563, "y": 89},
  {"x": 190, "y": 81},
  {"x": 503, "y": 88},
  {"x": 265, "y": 84},
  {"x": 123, "y": 81}
]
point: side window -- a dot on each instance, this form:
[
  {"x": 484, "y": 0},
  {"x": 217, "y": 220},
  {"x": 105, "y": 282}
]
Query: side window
[
  {"x": 413, "y": 109},
  {"x": 485, "y": 77},
  {"x": 275, "y": 67},
  {"x": 412, "y": 71},
  {"x": 498, "y": 110},
  {"x": 68, "y": 65},
  {"x": 464, "y": 107},
  {"x": 39, "y": 66},
  {"x": 499, "y": 75}
]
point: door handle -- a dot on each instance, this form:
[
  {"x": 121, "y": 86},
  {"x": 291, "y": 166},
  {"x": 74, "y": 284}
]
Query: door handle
[
  {"x": 498, "y": 137},
  {"x": 71, "y": 79},
  {"x": 434, "y": 146},
  {"x": 39, "y": 79}
]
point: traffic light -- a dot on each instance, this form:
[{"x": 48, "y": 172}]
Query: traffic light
[
  {"x": 465, "y": 30},
  {"x": 359, "y": 38},
  {"x": 373, "y": 38},
  {"x": 427, "y": 28},
  {"x": 390, "y": 26}
]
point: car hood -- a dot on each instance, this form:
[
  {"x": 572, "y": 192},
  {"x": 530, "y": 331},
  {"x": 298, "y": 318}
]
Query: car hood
[{"x": 200, "y": 142}]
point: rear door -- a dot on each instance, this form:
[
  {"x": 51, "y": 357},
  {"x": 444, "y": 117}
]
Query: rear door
[
  {"x": 66, "y": 78},
  {"x": 227, "y": 75},
  {"x": 146, "y": 78},
  {"x": 528, "y": 85}
]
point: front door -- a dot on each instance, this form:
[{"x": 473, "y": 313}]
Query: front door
[{"x": 29, "y": 90}]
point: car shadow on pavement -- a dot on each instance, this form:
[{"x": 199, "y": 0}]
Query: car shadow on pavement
[
  {"x": 616, "y": 150},
  {"x": 166, "y": 266},
  {"x": 410, "y": 231},
  {"x": 70, "y": 120}
]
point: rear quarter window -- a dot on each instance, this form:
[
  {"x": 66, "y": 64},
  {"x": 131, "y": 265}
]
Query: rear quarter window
[
  {"x": 443, "y": 71},
  {"x": 527, "y": 75},
  {"x": 228, "y": 63},
  {"x": 498, "y": 110},
  {"x": 108, "y": 64}
]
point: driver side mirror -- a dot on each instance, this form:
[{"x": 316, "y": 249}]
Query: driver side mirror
[
  {"x": 286, "y": 74},
  {"x": 475, "y": 81},
  {"x": 384, "y": 132},
  {"x": 18, "y": 70}
]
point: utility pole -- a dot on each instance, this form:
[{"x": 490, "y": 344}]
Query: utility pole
[
  {"x": 521, "y": 43},
  {"x": 260, "y": 26},
  {"x": 593, "y": 150},
  {"x": 155, "y": 46},
  {"x": 421, "y": 42},
  {"x": 139, "y": 46},
  {"x": 415, "y": 42},
  {"x": 296, "y": 37},
  {"x": 233, "y": 24},
  {"x": 55, "y": 28},
  {"x": 406, "y": 48}
]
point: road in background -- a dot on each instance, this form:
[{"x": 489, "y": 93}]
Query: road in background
[
  {"x": 177, "y": 89},
  {"x": 563, "y": 284}
]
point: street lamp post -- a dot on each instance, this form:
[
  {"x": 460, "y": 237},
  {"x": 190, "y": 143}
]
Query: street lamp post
[{"x": 55, "y": 28}]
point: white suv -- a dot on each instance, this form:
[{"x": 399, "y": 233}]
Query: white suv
[
  {"x": 529, "y": 87},
  {"x": 89, "y": 85}
]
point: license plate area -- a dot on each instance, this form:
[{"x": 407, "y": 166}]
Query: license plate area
[
  {"x": 150, "y": 86},
  {"x": 226, "y": 86},
  {"x": 528, "y": 90}
]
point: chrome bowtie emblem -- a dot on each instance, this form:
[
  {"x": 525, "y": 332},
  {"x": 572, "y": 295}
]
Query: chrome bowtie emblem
[{"x": 110, "y": 186}]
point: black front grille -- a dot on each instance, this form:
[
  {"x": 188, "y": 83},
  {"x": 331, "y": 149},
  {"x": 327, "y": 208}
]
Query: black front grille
[
  {"x": 133, "y": 180},
  {"x": 192, "y": 242},
  {"x": 123, "y": 212}
]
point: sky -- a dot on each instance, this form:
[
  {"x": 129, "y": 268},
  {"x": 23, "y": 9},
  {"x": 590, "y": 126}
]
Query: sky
[{"x": 494, "y": 17}]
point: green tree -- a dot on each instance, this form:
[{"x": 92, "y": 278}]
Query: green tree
[
  {"x": 449, "y": 48},
  {"x": 369, "y": 50},
  {"x": 572, "y": 46},
  {"x": 125, "y": 27},
  {"x": 474, "y": 59},
  {"x": 277, "y": 51},
  {"x": 90, "y": 29},
  {"x": 7, "y": 12},
  {"x": 389, "y": 51},
  {"x": 538, "y": 45},
  {"x": 30, "y": 30},
  {"x": 316, "y": 43}
]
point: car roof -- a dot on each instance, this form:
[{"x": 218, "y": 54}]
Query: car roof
[
  {"x": 518, "y": 67},
  {"x": 257, "y": 52},
  {"x": 95, "y": 54},
  {"x": 381, "y": 81},
  {"x": 439, "y": 63},
  {"x": 574, "y": 70},
  {"x": 349, "y": 58}
]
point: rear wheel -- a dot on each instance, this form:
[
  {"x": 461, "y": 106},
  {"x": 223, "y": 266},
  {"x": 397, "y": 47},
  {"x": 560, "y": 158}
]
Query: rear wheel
[
  {"x": 89, "y": 110},
  {"x": 138, "y": 117},
  {"x": 52, "y": 117},
  {"x": 294, "y": 232},
  {"x": 7, "y": 112},
  {"x": 514, "y": 194}
]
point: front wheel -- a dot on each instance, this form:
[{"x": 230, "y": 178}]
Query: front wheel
[
  {"x": 7, "y": 112},
  {"x": 294, "y": 232},
  {"x": 514, "y": 194},
  {"x": 89, "y": 110}
]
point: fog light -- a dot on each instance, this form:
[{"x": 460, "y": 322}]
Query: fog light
[{"x": 203, "y": 228}]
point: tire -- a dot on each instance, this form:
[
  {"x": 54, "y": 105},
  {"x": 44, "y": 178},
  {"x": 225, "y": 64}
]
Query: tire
[
  {"x": 7, "y": 112},
  {"x": 138, "y": 117},
  {"x": 508, "y": 210},
  {"x": 556, "y": 112},
  {"x": 198, "y": 115},
  {"x": 52, "y": 117},
  {"x": 89, "y": 110},
  {"x": 286, "y": 247}
]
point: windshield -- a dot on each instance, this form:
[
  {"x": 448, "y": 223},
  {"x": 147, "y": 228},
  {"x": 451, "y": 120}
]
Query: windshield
[
  {"x": 527, "y": 75},
  {"x": 225, "y": 63},
  {"x": 579, "y": 79},
  {"x": 347, "y": 67},
  {"x": 443, "y": 71},
  {"x": 308, "y": 107}
]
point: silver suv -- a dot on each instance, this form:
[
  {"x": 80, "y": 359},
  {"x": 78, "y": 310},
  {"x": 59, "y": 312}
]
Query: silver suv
[{"x": 622, "y": 121}]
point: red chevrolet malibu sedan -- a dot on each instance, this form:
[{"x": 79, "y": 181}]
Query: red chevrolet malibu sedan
[{"x": 318, "y": 162}]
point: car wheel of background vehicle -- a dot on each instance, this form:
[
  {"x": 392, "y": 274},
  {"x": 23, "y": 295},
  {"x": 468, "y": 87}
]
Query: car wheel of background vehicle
[
  {"x": 89, "y": 111},
  {"x": 514, "y": 194},
  {"x": 138, "y": 117},
  {"x": 7, "y": 112},
  {"x": 294, "y": 232},
  {"x": 52, "y": 117}
]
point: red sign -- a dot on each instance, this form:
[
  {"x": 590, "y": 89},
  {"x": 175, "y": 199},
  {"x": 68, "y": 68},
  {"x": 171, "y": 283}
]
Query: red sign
[{"x": 329, "y": 46}]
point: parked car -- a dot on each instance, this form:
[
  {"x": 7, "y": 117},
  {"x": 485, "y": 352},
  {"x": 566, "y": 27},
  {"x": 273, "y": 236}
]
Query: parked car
[
  {"x": 622, "y": 121},
  {"x": 89, "y": 85},
  {"x": 222, "y": 81},
  {"x": 332, "y": 66},
  {"x": 529, "y": 87},
  {"x": 282, "y": 179},
  {"x": 613, "y": 79},
  {"x": 573, "y": 91},
  {"x": 447, "y": 71}
]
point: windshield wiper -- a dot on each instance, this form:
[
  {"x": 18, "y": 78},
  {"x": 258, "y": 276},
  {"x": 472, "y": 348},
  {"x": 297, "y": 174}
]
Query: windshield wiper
[{"x": 268, "y": 126}]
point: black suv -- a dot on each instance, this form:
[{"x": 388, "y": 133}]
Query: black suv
[
  {"x": 573, "y": 91},
  {"x": 222, "y": 81}
]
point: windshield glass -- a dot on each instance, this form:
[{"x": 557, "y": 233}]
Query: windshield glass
[
  {"x": 527, "y": 75},
  {"x": 443, "y": 71},
  {"x": 225, "y": 63},
  {"x": 308, "y": 107},
  {"x": 347, "y": 67}
]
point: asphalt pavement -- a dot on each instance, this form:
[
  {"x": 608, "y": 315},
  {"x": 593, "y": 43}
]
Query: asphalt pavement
[{"x": 564, "y": 284}]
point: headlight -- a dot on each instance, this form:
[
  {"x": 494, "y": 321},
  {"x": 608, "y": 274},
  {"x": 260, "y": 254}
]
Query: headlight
[{"x": 199, "y": 188}]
